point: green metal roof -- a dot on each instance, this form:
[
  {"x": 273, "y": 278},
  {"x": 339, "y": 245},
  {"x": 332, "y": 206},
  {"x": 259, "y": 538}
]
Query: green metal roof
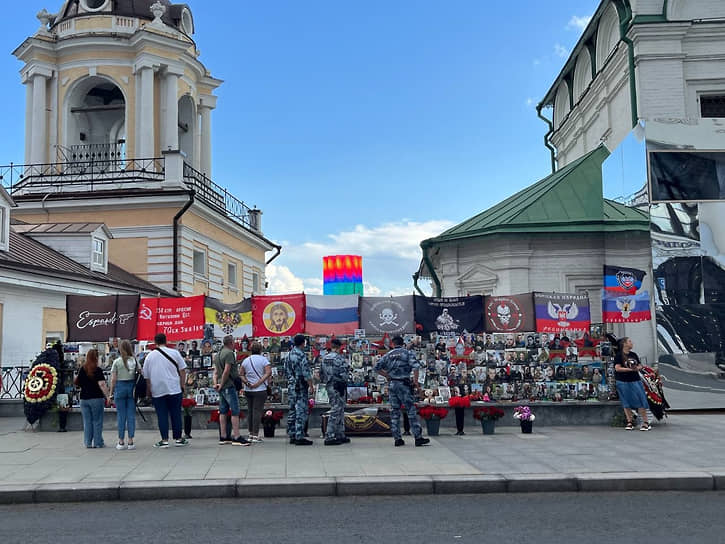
[{"x": 569, "y": 200}]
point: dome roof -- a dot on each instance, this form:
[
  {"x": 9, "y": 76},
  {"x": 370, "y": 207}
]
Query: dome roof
[{"x": 140, "y": 9}]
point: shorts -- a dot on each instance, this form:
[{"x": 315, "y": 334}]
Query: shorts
[
  {"x": 229, "y": 401},
  {"x": 632, "y": 395}
]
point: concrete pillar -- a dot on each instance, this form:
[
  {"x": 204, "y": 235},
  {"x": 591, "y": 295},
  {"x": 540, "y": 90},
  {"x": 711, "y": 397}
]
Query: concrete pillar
[
  {"x": 206, "y": 141},
  {"x": 28, "y": 121},
  {"x": 170, "y": 114},
  {"x": 145, "y": 148},
  {"x": 40, "y": 116}
]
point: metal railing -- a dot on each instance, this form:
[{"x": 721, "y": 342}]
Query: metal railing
[
  {"x": 13, "y": 378},
  {"x": 217, "y": 197}
]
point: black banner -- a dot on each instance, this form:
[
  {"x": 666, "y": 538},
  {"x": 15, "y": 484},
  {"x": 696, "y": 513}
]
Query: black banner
[
  {"x": 451, "y": 315},
  {"x": 512, "y": 313},
  {"x": 96, "y": 319}
]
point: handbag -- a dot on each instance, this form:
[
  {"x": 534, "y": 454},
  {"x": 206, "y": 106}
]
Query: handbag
[{"x": 238, "y": 384}]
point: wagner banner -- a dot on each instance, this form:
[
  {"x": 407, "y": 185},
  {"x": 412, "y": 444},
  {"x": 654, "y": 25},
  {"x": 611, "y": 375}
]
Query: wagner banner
[
  {"x": 561, "y": 312},
  {"x": 177, "y": 318},
  {"x": 513, "y": 313},
  {"x": 278, "y": 315},
  {"x": 234, "y": 319},
  {"x": 392, "y": 315},
  {"x": 96, "y": 319},
  {"x": 449, "y": 316}
]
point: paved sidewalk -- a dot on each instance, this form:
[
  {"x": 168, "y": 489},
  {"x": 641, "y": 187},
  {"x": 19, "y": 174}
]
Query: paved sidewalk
[{"x": 684, "y": 453}]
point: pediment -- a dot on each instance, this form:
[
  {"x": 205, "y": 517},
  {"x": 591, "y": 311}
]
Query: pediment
[{"x": 478, "y": 273}]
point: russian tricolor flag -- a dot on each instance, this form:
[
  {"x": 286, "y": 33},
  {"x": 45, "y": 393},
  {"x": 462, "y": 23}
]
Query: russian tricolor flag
[{"x": 332, "y": 314}]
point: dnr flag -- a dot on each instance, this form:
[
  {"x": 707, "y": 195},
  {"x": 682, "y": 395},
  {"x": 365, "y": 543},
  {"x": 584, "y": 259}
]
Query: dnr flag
[
  {"x": 234, "y": 319},
  {"x": 625, "y": 308},
  {"x": 621, "y": 280}
]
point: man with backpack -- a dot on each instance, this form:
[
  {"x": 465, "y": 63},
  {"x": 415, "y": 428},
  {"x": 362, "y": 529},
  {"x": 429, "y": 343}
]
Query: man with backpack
[
  {"x": 165, "y": 372},
  {"x": 226, "y": 376}
]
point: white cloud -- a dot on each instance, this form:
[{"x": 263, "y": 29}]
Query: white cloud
[
  {"x": 561, "y": 51},
  {"x": 578, "y": 23},
  {"x": 529, "y": 102},
  {"x": 282, "y": 280}
]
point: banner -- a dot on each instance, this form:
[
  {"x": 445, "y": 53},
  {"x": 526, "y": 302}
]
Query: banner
[
  {"x": 234, "y": 319},
  {"x": 451, "y": 315},
  {"x": 392, "y": 315},
  {"x": 625, "y": 308},
  {"x": 621, "y": 280},
  {"x": 96, "y": 319},
  {"x": 561, "y": 312},
  {"x": 281, "y": 315},
  {"x": 177, "y": 318},
  {"x": 331, "y": 314},
  {"x": 512, "y": 313}
]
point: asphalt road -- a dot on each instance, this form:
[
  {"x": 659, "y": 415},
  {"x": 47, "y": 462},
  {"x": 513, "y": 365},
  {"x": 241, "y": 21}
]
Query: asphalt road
[{"x": 641, "y": 518}]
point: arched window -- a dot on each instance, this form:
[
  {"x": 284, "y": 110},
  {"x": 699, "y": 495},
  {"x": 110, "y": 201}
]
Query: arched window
[
  {"x": 582, "y": 74},
  {"x": 607, "y": 35},
  {"x": 562, "y": 106}
]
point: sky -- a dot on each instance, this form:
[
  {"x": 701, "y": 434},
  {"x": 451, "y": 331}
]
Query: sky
[{"x": 361, "y": 127}]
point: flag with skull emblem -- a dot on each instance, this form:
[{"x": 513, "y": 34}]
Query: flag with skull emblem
[
  {"x": 393, "y": 315},
  {"x": 512, "y": 313},
  {"x": 450, "y": 315}
]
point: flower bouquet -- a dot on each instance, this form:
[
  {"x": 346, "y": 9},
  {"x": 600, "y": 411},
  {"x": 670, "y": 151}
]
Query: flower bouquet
[
  {"x": 458, "y": 404},
  {"x": 526, "y": 417},
  {"x": 488, "y": 415},
  {"x": 432, "y": 416},
  {"x": 187, "y": 405},
  {"x": 270, "y": 420}
]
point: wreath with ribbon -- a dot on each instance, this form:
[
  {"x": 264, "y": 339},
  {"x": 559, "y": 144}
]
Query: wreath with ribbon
[{"x": 40, "y": 384}]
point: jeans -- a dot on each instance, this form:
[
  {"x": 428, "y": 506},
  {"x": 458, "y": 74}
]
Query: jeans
[
  {"x": 125, "y": 408},
  {"x": 168, "y": 406},
  {"x": 229, "y": 401},
  {"x": 92, "y": 412},
  {"x": 255, "y": 407}
]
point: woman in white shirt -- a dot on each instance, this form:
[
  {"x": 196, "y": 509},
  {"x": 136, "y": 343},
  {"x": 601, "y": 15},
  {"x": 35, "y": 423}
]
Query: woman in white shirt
[
  {"x": 255, "y": 372},
  {"x": 123, "y": 378}
]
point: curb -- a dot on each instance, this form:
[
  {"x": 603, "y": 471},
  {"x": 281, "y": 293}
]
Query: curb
[{"x": 362, "y": 486}]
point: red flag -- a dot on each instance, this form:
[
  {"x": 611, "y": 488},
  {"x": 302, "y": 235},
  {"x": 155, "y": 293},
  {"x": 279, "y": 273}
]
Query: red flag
[
  {"x": 177, "y": 318},
  {"x": 282, "y": 315}
]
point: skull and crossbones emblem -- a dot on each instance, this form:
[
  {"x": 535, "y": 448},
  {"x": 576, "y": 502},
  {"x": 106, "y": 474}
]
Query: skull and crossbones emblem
[
  {"x": 504, "y": 314},
  {"x": 388, "y": 317}
]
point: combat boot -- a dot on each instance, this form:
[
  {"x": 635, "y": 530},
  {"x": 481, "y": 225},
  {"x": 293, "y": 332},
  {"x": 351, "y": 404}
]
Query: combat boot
[
  {"x": 399, "y": 442},
  {"x": 422, "y": 441},
  {"x": 303, "y": 442},
  {"x": 332, "y": 442}
]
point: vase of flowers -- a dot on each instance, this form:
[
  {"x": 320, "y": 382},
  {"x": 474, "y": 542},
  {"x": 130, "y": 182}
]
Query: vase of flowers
[
  {"x": 458, "y": 404},
  {"x": 526, "y": 417},
  {"x": 432, "y": 416},
  {"x": 488, "y": 416},
  {"x": 187, "y": 405},
  {"x": 270, "y": 420}
]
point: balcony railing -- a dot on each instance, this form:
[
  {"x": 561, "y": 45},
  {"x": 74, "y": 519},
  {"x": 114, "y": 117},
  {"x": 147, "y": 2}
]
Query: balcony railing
[
  {"x": 13, "y": 378},
  {"x": 89, "y": 168}
]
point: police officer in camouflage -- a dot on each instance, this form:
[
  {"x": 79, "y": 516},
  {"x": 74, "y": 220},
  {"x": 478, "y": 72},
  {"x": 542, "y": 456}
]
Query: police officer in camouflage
[
  {"x": 396, "y": 366},
  {"x": 300, "y": 373},
  {"x": 291, "y": 398},
  {"x": 334, "y": 372}
]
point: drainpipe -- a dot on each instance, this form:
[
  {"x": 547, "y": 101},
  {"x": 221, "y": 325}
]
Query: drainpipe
[
  {"x": 278, "y": 249},
  {"x": 547, "y": 143},
  {"x": 623, "y": 29},
  {"x": 416, "y": 277},
  {"x": 177, "y": 217},
  {"x": 424, "y": 245}
]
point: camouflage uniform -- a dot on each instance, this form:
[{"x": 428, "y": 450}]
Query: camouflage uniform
[
  {"x": 399, "y": 363},
  {"x": 299, "y": 376},
  {"x": 333, "y": 373}
]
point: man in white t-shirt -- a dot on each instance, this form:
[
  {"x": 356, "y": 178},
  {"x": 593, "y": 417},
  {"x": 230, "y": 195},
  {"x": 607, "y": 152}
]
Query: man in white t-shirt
[{"x": 165, "y": 372}]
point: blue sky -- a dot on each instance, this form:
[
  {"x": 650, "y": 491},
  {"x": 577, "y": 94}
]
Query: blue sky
[{"x": 362, "y": 127}]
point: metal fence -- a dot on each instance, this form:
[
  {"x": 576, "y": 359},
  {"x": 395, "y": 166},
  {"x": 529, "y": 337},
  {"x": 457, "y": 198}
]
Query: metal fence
[
  {"x": 13, "y": 378},
  {"x": 217, "y": 197}
]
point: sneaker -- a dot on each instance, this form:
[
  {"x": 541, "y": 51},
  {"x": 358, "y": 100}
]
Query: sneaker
[
  {"x": 422, "y": 441},
  {"x": 131, "y": 447},
  {"x": 227, "y": 440},
  {"x": 241, "y": 441},
  {"x": 162, "y": 444},
  {"x": 629, "y": 426},
  {"x": 332, "y": 442},
  {"x": 120, "y": 446},
  {"x": 255, "y": 439},
  {"x": 645, "y": 427},
  {"x": 303, "y": 442},
  {"x": 399, "y": 442},
  {"x": 179, "y": 442}
]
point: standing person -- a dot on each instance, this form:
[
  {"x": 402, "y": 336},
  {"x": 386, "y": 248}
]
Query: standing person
[
  {"x": 629, "y": 385},
  {"x": 333, "y": 373},
  {"x": 123, "y": 379},
  {"x": 94, "y": 395},
  {"x": 255, "y": 371},
  {"x": 396, "y": 366},
  {"x": 300, "y": 374},
  {"x": 165, "y": 373},
  {"x": 226, "y": 371}
]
